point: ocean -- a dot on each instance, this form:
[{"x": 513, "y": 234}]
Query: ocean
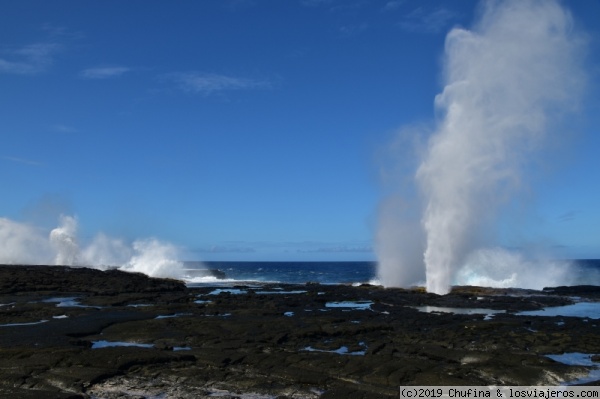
[
  {"x": 283, "y": 272},
  {"x": 583, "y": 271}
]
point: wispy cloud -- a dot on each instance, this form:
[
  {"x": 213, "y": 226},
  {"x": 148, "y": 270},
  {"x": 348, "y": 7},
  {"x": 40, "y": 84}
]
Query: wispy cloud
[
  {"x": 225, "y": 249},
  {"x": 336, "y": 5},
  {"x": 316, "y": 3},
  {"x": 29, "y": 60},
  {"x": 338, "y": 249},
  {"x": 427, "y": 20},
  {"x": 392, "y": 5},
  {"x": 568, "y": 216},
  {"x": 64, "y": 128},
  {"x": 61, "y": 33},
  {"x": 288, "y": 246},
  {"x": 104, "y": 72},
  {"x": 207, "y": 83},
  {"x": 352, "y": 30},
  {"x": 22, "y": 161},
  {"x": 236, "y": 5}
]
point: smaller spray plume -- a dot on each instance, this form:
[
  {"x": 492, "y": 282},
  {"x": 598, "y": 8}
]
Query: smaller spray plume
[
  {"x": 506, "y": 80},
  {"x": 64, "y": 240},
  {"x": 155, "y": 258},
  {"x": 24, "y": 244}
]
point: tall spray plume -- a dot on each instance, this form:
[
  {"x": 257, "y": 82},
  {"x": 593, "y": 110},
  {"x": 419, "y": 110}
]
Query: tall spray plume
[{"x": 507, "y": 81}]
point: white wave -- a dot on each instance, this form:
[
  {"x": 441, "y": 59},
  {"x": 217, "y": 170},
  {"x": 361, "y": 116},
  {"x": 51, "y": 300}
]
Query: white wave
[
  {"x": 155, "y": 258},
  {"x": 209, "y": 279},
  {"x": 501, "y": 268},
  {"x": 21, "y": 243}
]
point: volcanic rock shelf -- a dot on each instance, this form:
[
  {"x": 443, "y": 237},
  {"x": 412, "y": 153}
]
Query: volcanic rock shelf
[{"x": 159, "y": 337}]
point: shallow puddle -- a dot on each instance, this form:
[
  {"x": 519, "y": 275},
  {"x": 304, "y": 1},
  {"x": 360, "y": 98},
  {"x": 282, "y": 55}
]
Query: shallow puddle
[
  {"x": 110, "y": 344},
  {"x": 579, "y": 359},
  {"x": 68, "y": 302},
  {"x": 23, "y": 324},
  {"x": 234, "y": 291},
  {"x": 279, "y": 292},
  {"x": 489, "y": 313},
  {"x": 342, "y": 350},
  {"x": 356, "y": 305},
  {"x": 170, "y": 316},
  {"x": 580, "y": 309}
]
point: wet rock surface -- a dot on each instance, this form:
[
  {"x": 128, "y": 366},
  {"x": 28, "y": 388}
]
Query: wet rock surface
[{"x": 82, "y": 333}]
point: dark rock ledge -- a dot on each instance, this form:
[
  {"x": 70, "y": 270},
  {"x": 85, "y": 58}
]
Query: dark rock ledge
[{"x": 274, "y": 345}]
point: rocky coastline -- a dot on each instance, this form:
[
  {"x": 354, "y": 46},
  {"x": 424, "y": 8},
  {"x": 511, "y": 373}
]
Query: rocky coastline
[{"x": 83, "y": 333}]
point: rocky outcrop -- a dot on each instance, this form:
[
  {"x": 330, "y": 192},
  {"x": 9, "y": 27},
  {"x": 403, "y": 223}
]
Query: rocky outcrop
[{"x": 33, "y": 278}]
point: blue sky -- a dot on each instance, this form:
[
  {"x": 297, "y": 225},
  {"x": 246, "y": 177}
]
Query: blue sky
[{"x": 247, "y": 129}]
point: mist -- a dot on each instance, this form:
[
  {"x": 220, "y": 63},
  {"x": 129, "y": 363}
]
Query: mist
[
  {"x": 509, "y": 82},
  {"x": 22, "y": 243}
]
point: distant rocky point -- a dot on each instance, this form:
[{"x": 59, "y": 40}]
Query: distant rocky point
[{"x": 200, "y": 271}]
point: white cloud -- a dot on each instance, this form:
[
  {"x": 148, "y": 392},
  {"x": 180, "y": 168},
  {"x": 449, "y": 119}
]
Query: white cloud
[
  {"x": 293, "y": 246},
  {"x": 568, "y": 216},
  {"x": 22, "y": 161},
  {"x": 339, "y": 249},
  {"x": 235, "y": 5},
  {"x": 207, "y": 83},
  {"x": 427, "y": 20},
  {"x": 226, "y": 249},
  {"x": 352, "y": 30},
  {"x": 64, "y": 128},
  {"x": 29, "y": 60},
  {"x": 316, "y": 3},
  {"x": 392, "y": 5},
  {"x": 104, "y": 72},
  {"x": 336, "y": 5}
]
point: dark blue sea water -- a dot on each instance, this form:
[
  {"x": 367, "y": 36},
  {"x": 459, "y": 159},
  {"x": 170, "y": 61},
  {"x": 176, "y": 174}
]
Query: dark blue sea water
[
  {"x": 584, "y": 272},
  {"x": 588, "y": 264},
  {"x": 292, "y": 272}
]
